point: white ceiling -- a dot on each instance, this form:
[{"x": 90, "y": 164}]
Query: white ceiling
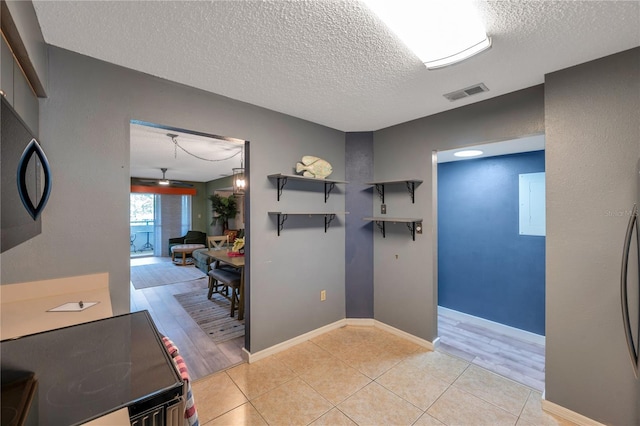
[
  {"x": 196, "y": 158},
  {"x": 333, "y": 62},
  {"x": 512, "y": 146}
]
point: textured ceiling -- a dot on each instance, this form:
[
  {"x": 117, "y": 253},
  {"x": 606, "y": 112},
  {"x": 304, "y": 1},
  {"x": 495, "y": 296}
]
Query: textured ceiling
[
  {"x": 333, "y": 62},
  {"x": 327, "y": 61}
]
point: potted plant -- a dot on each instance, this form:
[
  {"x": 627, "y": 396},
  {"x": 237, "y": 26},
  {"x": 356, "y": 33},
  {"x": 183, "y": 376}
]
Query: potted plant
[{"x": 224, "y": 208}]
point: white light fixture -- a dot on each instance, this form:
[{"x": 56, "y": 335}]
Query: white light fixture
[
  {"x": 164, "y": 180},
  {"x": 239, "y": 182},
  {"x": 468, "y": 153},
  {"x": 439, "y": 32}
]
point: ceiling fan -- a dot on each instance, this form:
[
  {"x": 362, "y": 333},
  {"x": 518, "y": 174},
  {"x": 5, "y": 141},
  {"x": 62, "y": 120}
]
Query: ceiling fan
[{"x": 164, "y": 181}]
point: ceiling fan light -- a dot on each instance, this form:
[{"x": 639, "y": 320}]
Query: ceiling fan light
[{"x": 164, "y": 181}]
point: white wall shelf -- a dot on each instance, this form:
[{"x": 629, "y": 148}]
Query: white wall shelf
[
  {"x": 328, "y": 217},
  {"x": 412, "y": 223},
  {"x": 282, "y": 179}
]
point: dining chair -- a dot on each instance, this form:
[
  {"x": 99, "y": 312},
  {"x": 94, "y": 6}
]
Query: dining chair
[
  {"x": 217, "y": 242},
  {"x": 221, "y": 281}
]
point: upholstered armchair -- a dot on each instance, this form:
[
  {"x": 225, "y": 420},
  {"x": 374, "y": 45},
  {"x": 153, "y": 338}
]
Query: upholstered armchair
[{"x": 191, "y": 237}]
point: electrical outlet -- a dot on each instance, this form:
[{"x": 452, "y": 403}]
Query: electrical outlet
[
  {"x": 323, "y": 295},
  {"x": 383, "y": 209}
]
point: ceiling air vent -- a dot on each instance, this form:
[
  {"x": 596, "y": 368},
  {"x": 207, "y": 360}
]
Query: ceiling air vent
[{"x": 466, "y": 92}]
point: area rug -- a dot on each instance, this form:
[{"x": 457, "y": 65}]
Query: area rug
[
  {"x": 212, "y": 315},
  {"x": 156, "y": 274}
]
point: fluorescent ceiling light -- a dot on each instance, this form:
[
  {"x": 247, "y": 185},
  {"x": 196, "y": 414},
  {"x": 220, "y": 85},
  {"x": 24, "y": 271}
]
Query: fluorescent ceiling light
[
  {"x": 468, "y": 153},
  {"x": 460, "y": 56},
  {"x": 439, "y": 32}
]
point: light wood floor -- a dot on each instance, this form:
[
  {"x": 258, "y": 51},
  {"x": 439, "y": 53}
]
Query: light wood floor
[
  {"x": 513, "y": 358},
  {"x": 202, "y": 356}
]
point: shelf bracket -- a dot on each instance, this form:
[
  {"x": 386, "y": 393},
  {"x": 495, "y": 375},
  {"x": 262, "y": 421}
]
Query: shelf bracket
[
  {"x": 282, "y": 217},
  {"x": 282, "y": 181},
  {"x": 327, "y": 220},
  {"x": 328, "y": 187},
  {"x": 381, "y": 227},
  {"x": 412, "y": 229},
  {"x": 411, "y": 187},
  {"x": 380, "y": 189}
]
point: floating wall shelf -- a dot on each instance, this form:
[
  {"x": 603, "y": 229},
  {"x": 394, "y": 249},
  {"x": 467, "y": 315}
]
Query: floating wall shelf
[
  {"x": 411, "y": 223},
  {"x": 328, "y": 217},
  {"x": 282, "y": 179},
  {"x": 411, "y": 186}
]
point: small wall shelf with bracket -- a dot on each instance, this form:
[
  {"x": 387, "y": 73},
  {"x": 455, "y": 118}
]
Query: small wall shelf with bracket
[
  {"x": 412, "y": 223},
  {"x": 282, "y": 179},
  {"x": 411, "y": 187},
  {"x": 328, "y": 217}
]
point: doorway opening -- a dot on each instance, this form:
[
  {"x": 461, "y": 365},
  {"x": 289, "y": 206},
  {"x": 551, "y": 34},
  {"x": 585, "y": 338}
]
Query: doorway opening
[
  {"x": 491, "y": 256},
  {"x": 174, "y": 173}
]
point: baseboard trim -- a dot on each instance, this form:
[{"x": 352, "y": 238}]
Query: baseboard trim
[
  {"x": 359, "y": 322},
  {"x": 272, "y": 350},
  {"x": 567, "y": 414},
  {"x": 436, "y": 343},
  {"x": 516, "y": 333},
  {"x": 415, "y": 339},
  {"x": 246, "y": 355}
]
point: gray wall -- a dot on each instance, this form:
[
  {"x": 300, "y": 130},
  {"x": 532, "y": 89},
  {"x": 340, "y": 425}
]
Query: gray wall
[
  {"x": 405, "y": 293},
  {"x": 592, "y": 146},
  {"x": 200, "y": 205},
  {"x": 85, "y": 126}
]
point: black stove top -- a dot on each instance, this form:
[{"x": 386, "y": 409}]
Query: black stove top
[{"x": 88, "y": 370}]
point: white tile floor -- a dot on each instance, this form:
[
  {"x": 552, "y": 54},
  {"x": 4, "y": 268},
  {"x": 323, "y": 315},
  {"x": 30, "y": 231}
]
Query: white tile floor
[{"x": 365, "y": 376}]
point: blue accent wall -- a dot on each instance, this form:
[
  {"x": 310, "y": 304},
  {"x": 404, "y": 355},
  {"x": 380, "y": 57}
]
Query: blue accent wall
[
  {"x": 358, "y": 233},
  {"x": 485, "y": 268}
]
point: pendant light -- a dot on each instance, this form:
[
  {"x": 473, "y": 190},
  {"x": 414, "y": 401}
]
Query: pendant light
[{"x": 239, "y": 181}]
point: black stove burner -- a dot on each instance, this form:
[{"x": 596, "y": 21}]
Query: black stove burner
[{"x": 93, "y": 386}]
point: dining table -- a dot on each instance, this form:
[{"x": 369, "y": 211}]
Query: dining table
[{"x": 236, "y": 262}]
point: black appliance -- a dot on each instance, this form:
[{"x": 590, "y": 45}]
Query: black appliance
[
  {"x": 26, "y": 179},
  {"x": 88, "y": 370},
  {"x": 630, "y": 288}
]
